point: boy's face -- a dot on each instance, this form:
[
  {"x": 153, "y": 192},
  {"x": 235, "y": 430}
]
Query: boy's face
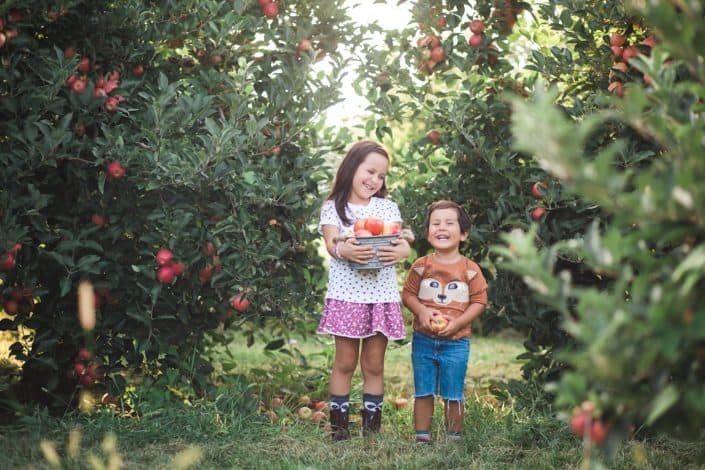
[{"x": 444, "y": 230}]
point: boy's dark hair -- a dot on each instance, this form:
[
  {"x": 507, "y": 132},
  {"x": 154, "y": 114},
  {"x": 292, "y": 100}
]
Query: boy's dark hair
[
  {"x": 342, "y": 187},
  {"x": 463, "y": 217}
]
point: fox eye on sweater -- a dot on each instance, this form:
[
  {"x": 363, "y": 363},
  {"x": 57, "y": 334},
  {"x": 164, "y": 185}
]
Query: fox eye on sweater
[
  {"x": 453, "y": 285},
  {"x": 434, "y": 284}
]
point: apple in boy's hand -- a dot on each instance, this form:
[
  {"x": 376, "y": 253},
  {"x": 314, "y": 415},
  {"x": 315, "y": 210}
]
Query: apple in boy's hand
[
  {"x": 438, "y": 323},
  {"x": 391, "y": 228}
]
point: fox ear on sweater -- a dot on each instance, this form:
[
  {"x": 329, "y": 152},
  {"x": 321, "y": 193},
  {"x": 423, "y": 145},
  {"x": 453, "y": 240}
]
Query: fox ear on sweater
[
  {"x": 419, "y": 270},
  {"x": 471, "y": 274}
]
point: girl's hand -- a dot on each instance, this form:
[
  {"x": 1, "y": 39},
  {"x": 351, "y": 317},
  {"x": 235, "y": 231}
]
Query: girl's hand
[
  {"x": 398, "y": 251},
  {"x": 351, "y": 250}
]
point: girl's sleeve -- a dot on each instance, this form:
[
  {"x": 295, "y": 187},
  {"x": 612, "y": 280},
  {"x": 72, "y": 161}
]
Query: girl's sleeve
[{"x": 328, "y": 216}]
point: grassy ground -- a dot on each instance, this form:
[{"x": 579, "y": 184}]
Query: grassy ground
[{"x": 231, "y": 430}]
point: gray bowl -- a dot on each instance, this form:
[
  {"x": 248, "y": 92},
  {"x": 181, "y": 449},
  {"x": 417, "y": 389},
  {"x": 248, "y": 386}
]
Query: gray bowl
[{"x": 375, "y": 242}]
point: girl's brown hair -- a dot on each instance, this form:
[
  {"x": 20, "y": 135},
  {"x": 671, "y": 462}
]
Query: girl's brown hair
[
  {"x": 463, "y": 217},
  {"x": 342, "y": 186}
]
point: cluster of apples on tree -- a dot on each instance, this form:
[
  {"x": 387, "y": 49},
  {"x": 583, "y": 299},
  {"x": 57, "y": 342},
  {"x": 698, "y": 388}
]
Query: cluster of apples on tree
[
  {"x": 623, "y": 52},
  {"x": 86, "y": 370},
  {"x": 16, "y": 300},
  {"x": 537, "y": 190},
  {"x": 8, "y": 32}
]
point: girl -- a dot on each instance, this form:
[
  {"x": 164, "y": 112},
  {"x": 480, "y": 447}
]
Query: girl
[{"x": 362, "y": 307}]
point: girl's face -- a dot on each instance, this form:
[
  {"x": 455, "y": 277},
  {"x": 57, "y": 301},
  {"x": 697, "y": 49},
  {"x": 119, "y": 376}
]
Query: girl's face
[
  {"x": 368, "y": 178},
  {"x": 444, "y": 232}
]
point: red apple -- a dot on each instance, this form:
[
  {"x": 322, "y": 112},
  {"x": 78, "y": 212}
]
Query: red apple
[
  {"x": 99, "y": 92},
  {"x": 441, "y": 22},
  {"x": 110, "y": 85},
  {"x": 272, "y": 416},
  {"x": 178, "y": 268},
  {"x": 616, "y": 39},
  {"x": 375, "y": 226},
  {"x": 475, "y": 40},
  {"x": 318, "y": 417},
  {"x": 78, "y": 86},
  {"x": 208, "y": 249},
  {"x": 363, "y": 233},
  {"x": 79, "y": 368},
  {"x": 537, "y": 213},
  {"x": 359, "y": 224},
  {"x": 438, "y": 54},
  {"x": 616, "y": 88},
  {"x": 163, "y": 256},
  {"x": 577, "y": 423},
  {"x": 98, "y": 219},
  {"x": 270, "y": 10},
  {"x": 630, "y": 52},
  {"x": 537, "y": 188},
  {"x": 240, "y": 303},
  {"x": 70, "y": 80},
  {"x": 321, "y": 405},
  {"x": 138, "y": 70},
  {"x": 166, "y": 274},
  {"x": 7, "y": 262},
  {"x": 84, "y": 354},
  {"x": 617, "y": 51},
  {"x": 391, "y": 228},
  {"x": 69, "y": 52},
  {"x": 598, "y": 432},
  {"x": 621, "y": 66},
  {"x": 3, "y": 39},
  {"x": 10, "y": 307},
  {"x": 206, "y": 273},
  {"x": 116, "y": 170},
  {"x": 303, "y": 46},
  {"x": 276, "y": 402},
  {"x": 477, "y": 26},
  {"x": 262, "y": 3},
  {"x": 86, "y": 380},
  {"x": 649, "y": 42},
  {"x": 111, "y": 104},
  {"x": 434, "y": 136},
  {"x": 84, "y": 65}
]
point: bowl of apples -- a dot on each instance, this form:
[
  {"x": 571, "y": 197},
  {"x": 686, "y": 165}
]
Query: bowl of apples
[{"x": 375, "y": 233}]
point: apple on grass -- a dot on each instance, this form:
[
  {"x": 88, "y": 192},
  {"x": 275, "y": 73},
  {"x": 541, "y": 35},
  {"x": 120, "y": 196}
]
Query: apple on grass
[
  {"x": 305, "y": 412},
  {"x": 400, "y": 403}
]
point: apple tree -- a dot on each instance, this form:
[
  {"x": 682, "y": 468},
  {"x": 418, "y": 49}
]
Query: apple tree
[
  {"x": 635, "y": 151},
  {"x": 170, "y": 154}
]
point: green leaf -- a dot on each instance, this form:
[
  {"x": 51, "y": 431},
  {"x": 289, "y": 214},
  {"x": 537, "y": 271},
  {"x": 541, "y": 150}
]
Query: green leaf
[{"x": 663, "y": 401}]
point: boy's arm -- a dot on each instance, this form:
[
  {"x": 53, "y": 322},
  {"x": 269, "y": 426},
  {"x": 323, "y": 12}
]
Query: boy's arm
[{"x": 423, "y": 313}]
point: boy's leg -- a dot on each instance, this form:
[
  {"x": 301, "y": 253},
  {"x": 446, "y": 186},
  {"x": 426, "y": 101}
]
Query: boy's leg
[
  {"x": 344, "y": 365},
  {"x": 425, "y": 364},
  {"x": 454, "y": 363},
  {"x": 454, "y": 413},
  {"x": 423, "y": 417},
  {"x": 372, "y": 365}
]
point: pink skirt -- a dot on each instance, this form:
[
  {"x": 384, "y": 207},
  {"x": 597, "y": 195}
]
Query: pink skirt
[{"x": 353, "y": 320}]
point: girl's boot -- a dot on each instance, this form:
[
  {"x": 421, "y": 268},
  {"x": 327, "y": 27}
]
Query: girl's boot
[
  {"x": 371, "y": 421},
  {"x": 339, "y": 425}
]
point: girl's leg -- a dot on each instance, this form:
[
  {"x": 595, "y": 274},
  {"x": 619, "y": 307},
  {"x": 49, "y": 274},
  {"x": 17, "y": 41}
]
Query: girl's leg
[
  {"x": 344, "y": 365},
  {"x": 423, "y": 415},
  {"x": 372, "y": 365}
]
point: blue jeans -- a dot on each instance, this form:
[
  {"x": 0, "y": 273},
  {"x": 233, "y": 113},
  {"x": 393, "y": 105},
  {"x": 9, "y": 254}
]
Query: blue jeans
[{"x": 440, "y": 366}]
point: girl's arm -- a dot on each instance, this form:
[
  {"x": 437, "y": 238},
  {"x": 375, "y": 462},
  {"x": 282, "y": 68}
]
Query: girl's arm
[
  {"x": 330, "y": 236},
  {"x": 348, "y": 249}
]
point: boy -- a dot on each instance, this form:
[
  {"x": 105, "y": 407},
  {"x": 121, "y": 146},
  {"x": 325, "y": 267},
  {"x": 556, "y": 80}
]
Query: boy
[{"x": 445, "y": 291}]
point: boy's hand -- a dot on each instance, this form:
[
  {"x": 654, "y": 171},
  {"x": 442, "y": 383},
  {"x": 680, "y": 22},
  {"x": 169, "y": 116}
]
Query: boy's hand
[
  {"x": 425, "y": 317},
  {"x": 451, "y": 328}
]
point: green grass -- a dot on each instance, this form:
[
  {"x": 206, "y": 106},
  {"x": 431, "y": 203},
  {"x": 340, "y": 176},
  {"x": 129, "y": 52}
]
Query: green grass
[{"x": 230, "y": 430}]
